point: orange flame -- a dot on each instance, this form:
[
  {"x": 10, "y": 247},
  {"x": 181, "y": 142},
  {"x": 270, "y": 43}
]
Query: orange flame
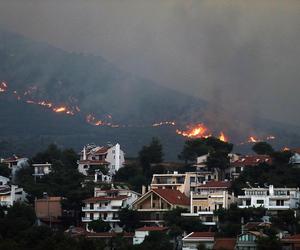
[
  {"x": 197, "y": 131},
  {"x": 286, "y": 149},
  {"x": 253, "y": 139},
  {"x": 222, "y": 137},
  {"x": 93, "y": 121}
]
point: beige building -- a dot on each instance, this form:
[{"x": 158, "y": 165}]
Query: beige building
[
  {"x": 49, "y": 209},
  {"x": 208, "y": 198},
  {"x": 185, "y": 183}
]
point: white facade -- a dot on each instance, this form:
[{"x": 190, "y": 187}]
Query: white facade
[
  {"x": 41, "y": 169},
  {"x": 111, "y": 157},
  {"x": 3, "y": 181},
  {"x": 194, "y": 239},
  {"x": 139, "y": 237},
  {"x": 270, "y": 198},
  {"x": 11, "y": 194},
  {"x": 106, "y": 205},
  {"x": 295, "y": 159},
  {"x": 14, "y": 164},
  {"x": 141, "y": 233}
]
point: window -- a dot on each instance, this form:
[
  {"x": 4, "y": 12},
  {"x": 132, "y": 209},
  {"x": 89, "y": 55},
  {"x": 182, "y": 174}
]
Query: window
[
  {"x": 279, "y": 202},
  {"x": 248, "y": 202},
  {"x": 153, "y": 204},
  {"x": 209, "y": 219},
  {"x": 260, "y": 202},
  {"x": 195, "y": 209},
  {"x": 91, "y": 205},
  {"x": 141, "y": 206},
  {"x": 92, "y": 216}
]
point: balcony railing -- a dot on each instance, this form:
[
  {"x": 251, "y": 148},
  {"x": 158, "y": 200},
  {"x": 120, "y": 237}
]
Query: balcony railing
[{"x": 99, "y": 209}]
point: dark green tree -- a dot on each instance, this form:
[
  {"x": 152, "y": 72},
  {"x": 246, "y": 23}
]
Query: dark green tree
[
  {"x": 99, "y": 226},
  {"x": 192, "y": 149},
  {"x": 129, "y": 219},
  {"x": 151, "y": 154},
  {"x": 4, "y": 170},
  {"x": 268, "y": 243},
  {"x": 262, "y": 148}
]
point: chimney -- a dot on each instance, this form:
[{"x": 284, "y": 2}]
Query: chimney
[
  {"x": 96, "y": 177},
  {"x": 144, "y": 189},
  {"x": 271, "y": 190},
  {"x": 84, "y": 154},
  {"x": 243, "y": 226},
  {"x": 12, "y": 194}
]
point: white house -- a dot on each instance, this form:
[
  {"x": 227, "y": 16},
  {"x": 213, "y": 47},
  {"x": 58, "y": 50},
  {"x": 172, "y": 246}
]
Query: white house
[
  {"x": 41, "y": 169},
  {"x": 15, "y": 163},
  {"x": 273, "y": 199},
  {"x": 202, "y": 160},
  {"x": 4, "y": 181},
  {"x": 194, "y": 239},
  {"x": 141, "y": 233},
  {"x": 11, "y": 194},
  {"x": 106, "y": 205},
  {"x": 238, "y": 165},
  {"x": 295, "y": 159},
  {"x": 110, "y": 157}
]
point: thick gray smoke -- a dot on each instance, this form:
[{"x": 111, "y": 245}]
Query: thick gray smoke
[{"x": 242, "y": 56}]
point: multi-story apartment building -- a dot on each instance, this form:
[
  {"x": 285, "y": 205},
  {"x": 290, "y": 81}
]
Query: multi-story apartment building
[
  {"x": 273, "y": 199},
  {"x": 156, "y": 202},
  {"x": 106, "y": 204},
  {"x": 92, "y": 156},
  {"x": 185, "y": 183},
  {"x": 208, "y": 198}
]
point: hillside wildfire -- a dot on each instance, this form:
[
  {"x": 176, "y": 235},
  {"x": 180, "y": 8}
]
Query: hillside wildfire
[{"x": 71, "y": 108}]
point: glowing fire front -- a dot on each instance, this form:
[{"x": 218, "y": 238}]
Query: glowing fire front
[
  {"x": 223, "y": 137},
  {"x": 196, "y": 131}
]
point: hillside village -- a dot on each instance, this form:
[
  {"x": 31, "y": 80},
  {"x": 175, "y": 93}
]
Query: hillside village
[{"x": 98, "y": 198}]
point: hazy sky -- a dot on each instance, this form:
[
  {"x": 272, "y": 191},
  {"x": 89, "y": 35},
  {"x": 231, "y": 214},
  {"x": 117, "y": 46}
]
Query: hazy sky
[{"x": 241, "y": 55}]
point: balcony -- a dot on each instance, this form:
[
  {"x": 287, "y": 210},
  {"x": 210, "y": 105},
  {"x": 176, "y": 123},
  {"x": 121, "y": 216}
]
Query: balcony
[
  {"x": 274, "y": 207},
  {"x": 100, "y": 209},
  {"x": 86, "y": 219}
]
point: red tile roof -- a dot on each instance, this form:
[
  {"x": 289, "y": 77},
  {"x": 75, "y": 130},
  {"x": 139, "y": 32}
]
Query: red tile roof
[
  {"x": 224, "y": 244},
  {"x": 296, "y": 150},
  {"x": 11, "y": 159},
  {"x": 101, "y": 151},
  {"x": 173, "y": 196},
  {"x": 108, "y": 235},
  {"x": 201, "y": 235},
  {"x": 216, "y": 184},
  {"x": 252, "y": 160},
  {"x": 94, "y": 162},
  {"x": 105, "y": 198},
  {"x": 292, "y": 239},
  {"x": 152, "y": 228}
]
